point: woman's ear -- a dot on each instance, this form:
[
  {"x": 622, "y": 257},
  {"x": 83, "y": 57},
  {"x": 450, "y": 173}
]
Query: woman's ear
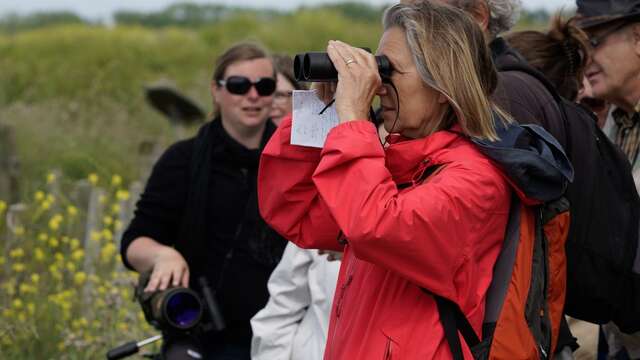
[{"x": 442, "y": 99}]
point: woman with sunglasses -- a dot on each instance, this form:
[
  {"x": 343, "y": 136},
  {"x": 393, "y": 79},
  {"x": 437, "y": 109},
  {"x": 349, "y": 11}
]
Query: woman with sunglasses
[{"x": 198, "y": 219}]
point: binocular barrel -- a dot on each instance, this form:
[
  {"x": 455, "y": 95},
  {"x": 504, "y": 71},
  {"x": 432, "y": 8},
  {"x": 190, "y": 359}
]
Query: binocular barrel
[{"x": 317, "y": 67}]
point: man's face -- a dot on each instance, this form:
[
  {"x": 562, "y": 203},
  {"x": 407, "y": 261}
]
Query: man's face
[{"x": 615, "y": 61}]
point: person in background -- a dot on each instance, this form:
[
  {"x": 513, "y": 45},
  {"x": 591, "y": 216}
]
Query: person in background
[
  {"x": 561, "y": 54},
  {"x": 294, "y": 323},
  {"x": 613, "y": 28},
  {"x": 198, "y": 218},
  {"x": 282, "y": 98}
]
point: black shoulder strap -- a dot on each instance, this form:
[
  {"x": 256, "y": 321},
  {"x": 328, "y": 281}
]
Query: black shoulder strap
[
  {"x": 451, "y": 317},
  {"x": 453, "y": 320}
]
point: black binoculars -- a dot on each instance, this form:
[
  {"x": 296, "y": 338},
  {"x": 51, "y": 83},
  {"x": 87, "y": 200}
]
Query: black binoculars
[{"x": 317, "y": 67}]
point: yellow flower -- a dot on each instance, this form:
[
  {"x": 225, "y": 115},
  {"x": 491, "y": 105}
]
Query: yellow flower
[
  {"x": 59, "y": 256},
  {"x": 31, "y": 308},
  {"x": 102, "y": 199},
  {"x": 79, "y": 278},
  {"x": 102, "y": 290},
  {"x": 51, "y": 198},
  {"x": 72, "y": 210},
  {"x": 39, "y": 195},
  {"x": 54, "y": 224},
  {"x": 22, "y": 317},
  {"x": 74, "y": 243},
  {"x": 3, "y": 206},
  {"x": 7, "y": 313},
  {"x": 35, "y": 278},
  {"x": 65, "y": 239},
  {"x": 71, "y": 266},
  {"x": 123, "y": 327},
  {"x": 107, "y": 252},
  {"x": 107, "y": 234},
  {"x": 115, "y": 208},
  {"x": 17, "y": 303},
  {"x": 43, "y": 237},
  {"x": 61, "y": 346},
  {"x": 122, "y": 195},
  {"x": 18, "y": 267},
  {"x": 95, "y": 236},
  {"x": 46, "y": 205},
  {"x": 19, "y": 230},
  {"x": 38, "y": 254},
  {"x": 2, "y": 260},
  {"x": 116, "y": 180},
  {"x": 26, "y": 288},
  {"x": 117, "y": 225},
  {"x": 16, "y": 253},
  {"x": 51, "y": 177},
  {"x": 107, "y": 220},
  {"x": 77, "y": 255},
  {"x": 93, "y": 179},
  {"x": 53, "y": 242}
]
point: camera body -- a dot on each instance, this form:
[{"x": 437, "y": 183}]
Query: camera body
[
  {"x": 179, "y": 310},
  {"x": 318, "y": 67}
]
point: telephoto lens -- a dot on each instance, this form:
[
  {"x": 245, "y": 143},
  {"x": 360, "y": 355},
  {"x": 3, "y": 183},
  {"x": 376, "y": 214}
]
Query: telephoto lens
[
  {"x": 178, "y": 308},
  {"x": 317, "y": 67}
]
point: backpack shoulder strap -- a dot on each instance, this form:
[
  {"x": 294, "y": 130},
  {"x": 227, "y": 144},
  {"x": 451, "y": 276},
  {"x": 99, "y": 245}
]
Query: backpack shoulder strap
[{"x": 453, "y": 320}]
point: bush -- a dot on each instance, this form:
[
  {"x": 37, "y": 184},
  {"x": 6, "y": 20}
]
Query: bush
[{"x": 64, "y": 293}]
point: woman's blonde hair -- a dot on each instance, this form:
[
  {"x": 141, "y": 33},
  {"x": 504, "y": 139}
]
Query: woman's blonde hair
[{"x": 452, "y": 57}]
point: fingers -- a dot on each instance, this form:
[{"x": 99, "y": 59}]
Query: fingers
[
  {"x": 168, "y": 273},
  {"x": 185, "y": 278}
]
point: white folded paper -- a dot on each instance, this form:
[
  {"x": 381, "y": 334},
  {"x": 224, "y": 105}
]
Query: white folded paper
[{"x": 309, "y": 128}]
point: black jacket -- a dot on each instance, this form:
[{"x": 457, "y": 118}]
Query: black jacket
[{"x": 235, "y": 269}]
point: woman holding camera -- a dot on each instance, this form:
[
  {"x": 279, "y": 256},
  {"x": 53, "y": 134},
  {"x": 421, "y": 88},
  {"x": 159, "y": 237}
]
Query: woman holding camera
[
  {"x": 198, "y": 216},
  {"x": 427, "y": 211}
]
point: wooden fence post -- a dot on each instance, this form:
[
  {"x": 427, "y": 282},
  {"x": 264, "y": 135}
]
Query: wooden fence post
[
  {"x": 95, "y": 210},
  {"x": 15, "y": 223},
  {"x": 9, "y": 166}
]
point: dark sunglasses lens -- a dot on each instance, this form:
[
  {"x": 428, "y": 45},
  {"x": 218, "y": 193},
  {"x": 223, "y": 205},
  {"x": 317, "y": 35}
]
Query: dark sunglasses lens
[
  {"x": 238, "y": 85},
  {"x": 266, "y": 86}
]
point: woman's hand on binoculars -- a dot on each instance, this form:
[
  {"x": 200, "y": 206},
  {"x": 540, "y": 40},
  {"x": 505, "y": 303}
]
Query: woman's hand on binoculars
[
  {"x": 358, "y": 80},
  {"x": 169, "y": 269}
]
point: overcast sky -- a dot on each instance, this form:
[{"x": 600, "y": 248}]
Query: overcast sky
[{"x": 101, "y": 9}]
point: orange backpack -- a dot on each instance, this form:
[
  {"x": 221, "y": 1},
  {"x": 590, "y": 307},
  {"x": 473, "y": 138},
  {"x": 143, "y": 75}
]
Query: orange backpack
[{"x": 525, "y": 301}]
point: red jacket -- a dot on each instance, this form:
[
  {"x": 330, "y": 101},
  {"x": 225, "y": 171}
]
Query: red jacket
[{"x": 444, "y": 234}]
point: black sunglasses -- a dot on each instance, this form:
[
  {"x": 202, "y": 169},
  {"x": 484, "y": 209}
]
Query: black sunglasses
[
  {"x": 597, "y": 40},
  {"x": 241, "y": 85}
]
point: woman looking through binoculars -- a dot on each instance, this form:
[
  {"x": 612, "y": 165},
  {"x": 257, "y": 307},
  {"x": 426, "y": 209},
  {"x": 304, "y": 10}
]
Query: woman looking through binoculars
[{"x": 399, "y": 232}]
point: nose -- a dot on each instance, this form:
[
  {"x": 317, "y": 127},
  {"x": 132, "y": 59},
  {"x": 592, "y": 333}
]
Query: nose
[{"x": 253, "y": 93}]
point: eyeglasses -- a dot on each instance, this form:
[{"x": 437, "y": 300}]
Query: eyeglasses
[
  {"x": 282, "y": 96},
  {"x": 597, "y": 40},
  {"x": 240, "y": 85}
]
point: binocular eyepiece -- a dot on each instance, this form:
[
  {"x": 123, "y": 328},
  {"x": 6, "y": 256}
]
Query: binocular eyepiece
[{"x": 317, "y": 67}]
